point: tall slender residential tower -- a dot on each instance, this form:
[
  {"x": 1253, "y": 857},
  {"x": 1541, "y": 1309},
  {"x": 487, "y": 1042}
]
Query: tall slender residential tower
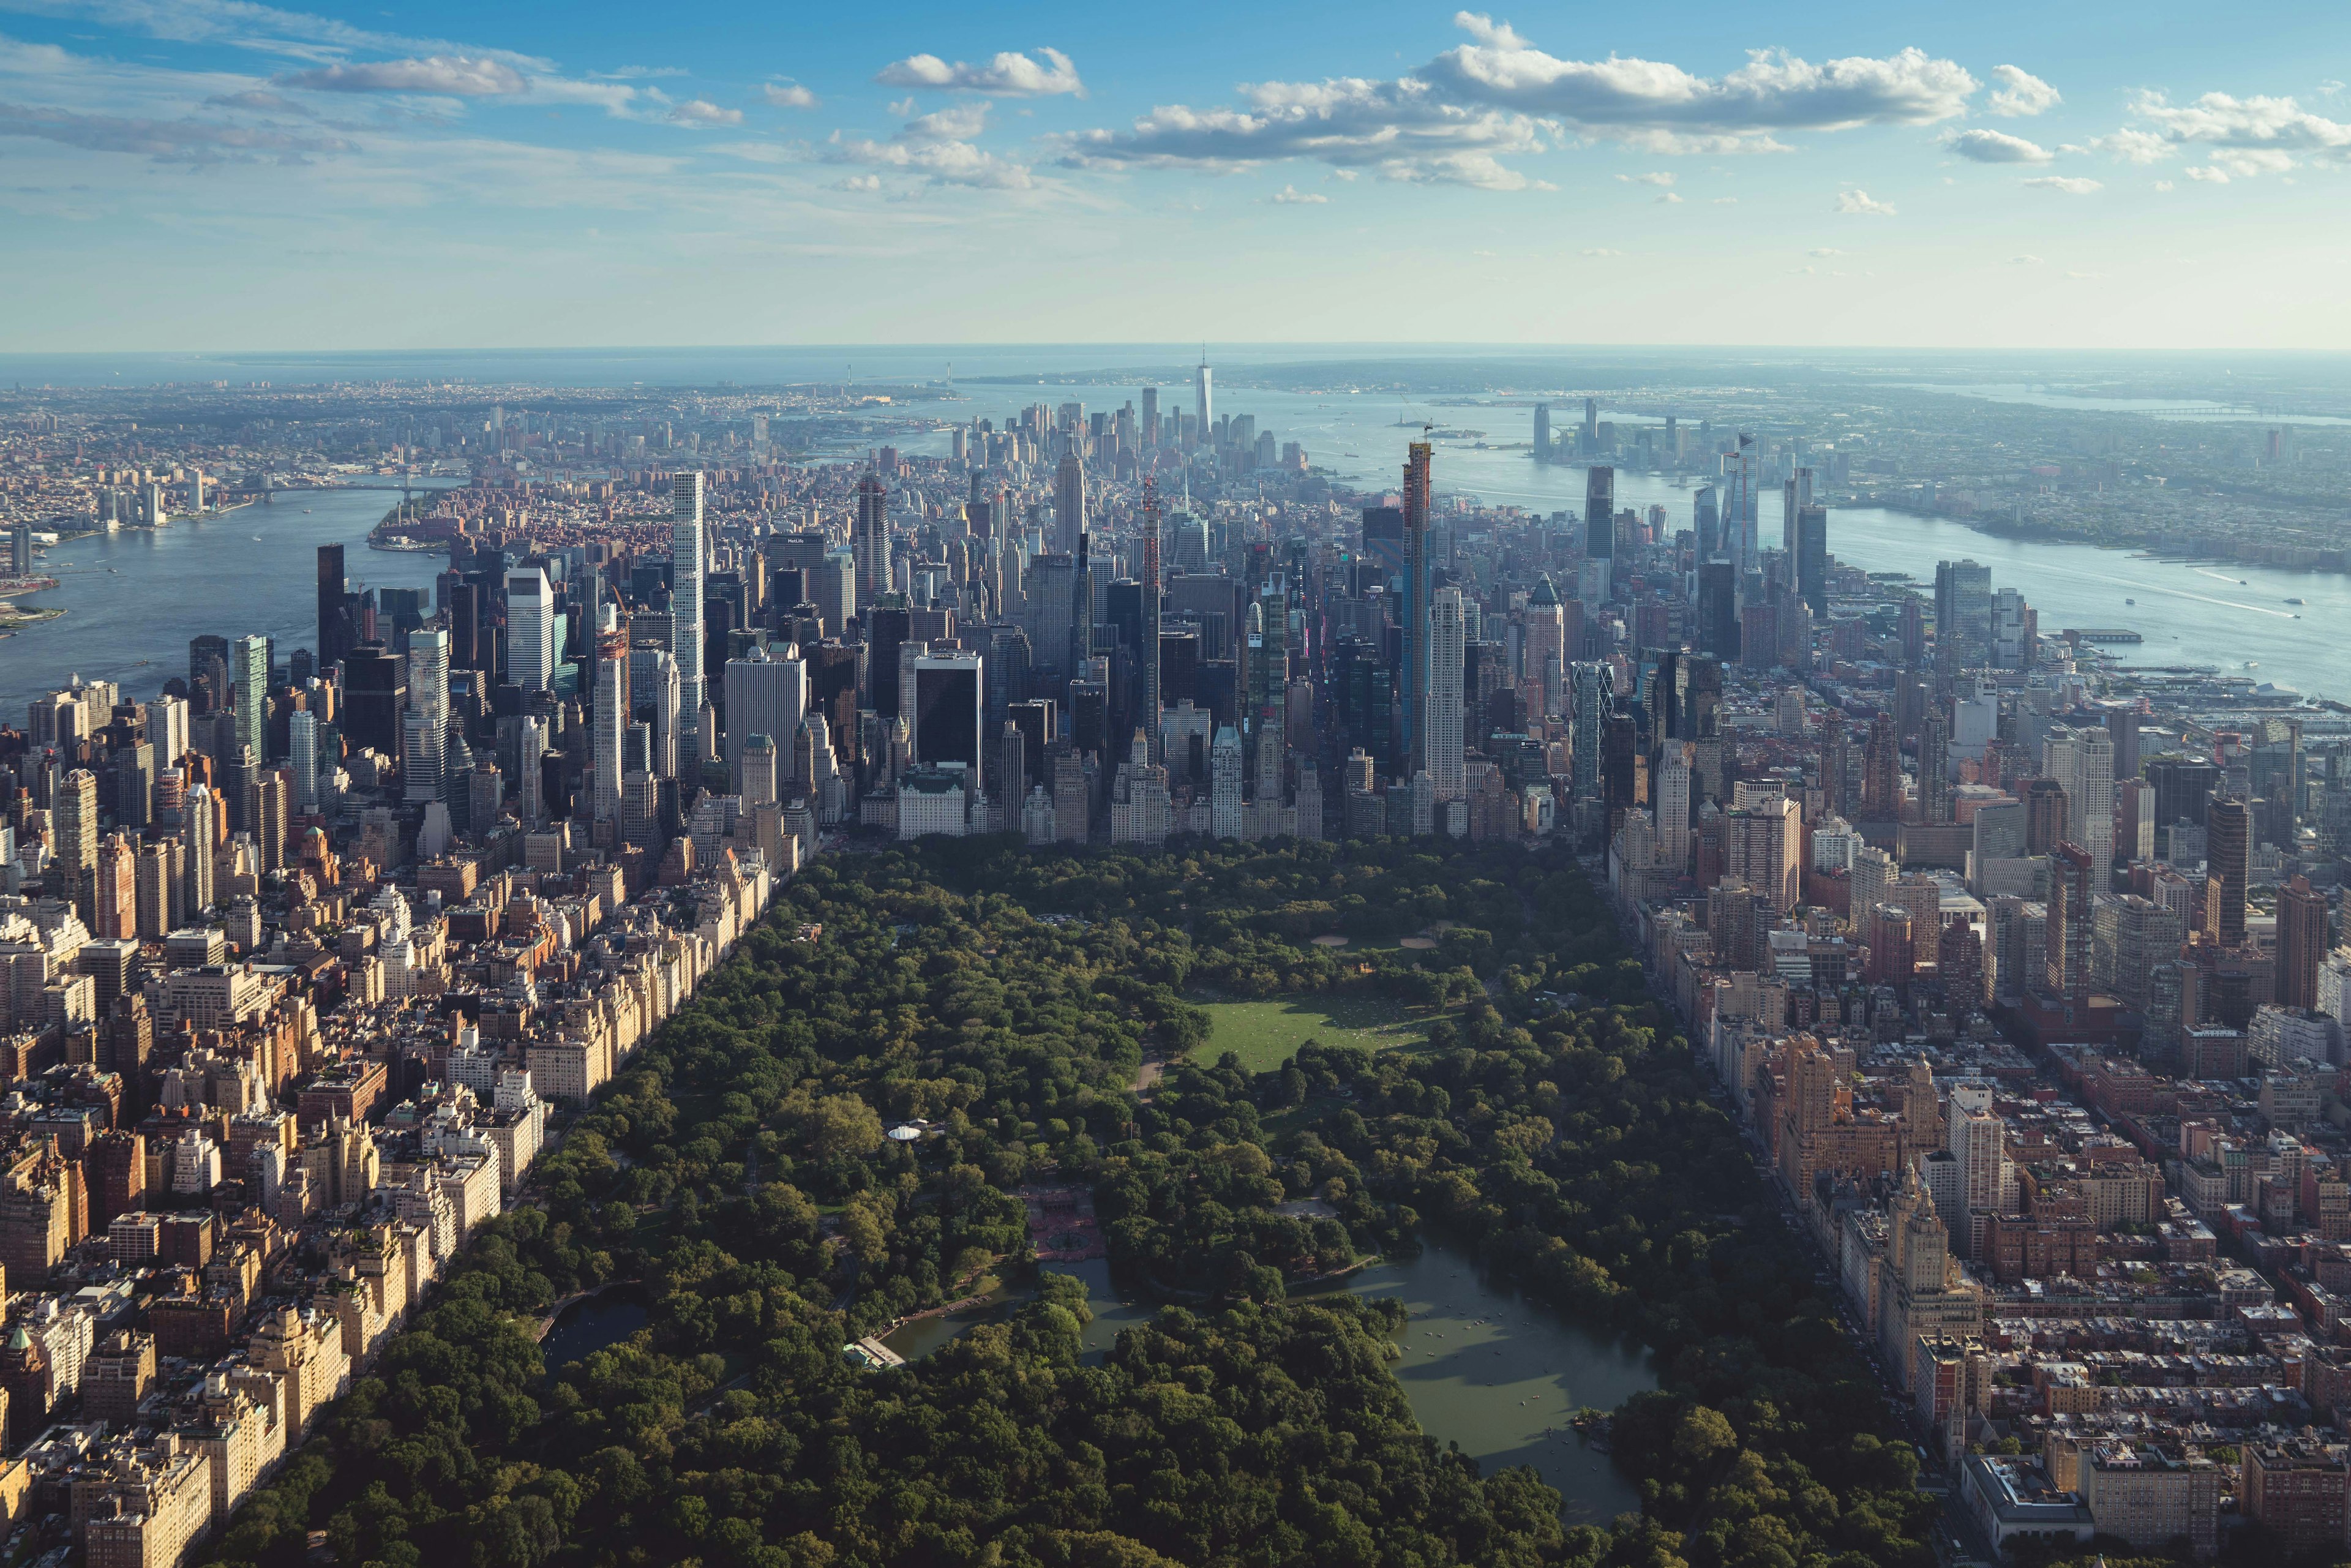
[
  {"x": 1447, "y": 628},
  {"x": 1081, "y": 613},
  {"x": 688, "y": 562},
  {"x": 869, "y": 541},
  {"x": 1416, "y": 607},
  {"x": 1151, "y": 592},
  {"x": 425, "y": 728},
  {"x": 608, "y": 721},
  {"x": 249, "y": 674},
  {"x": 1069, "y": 502}
]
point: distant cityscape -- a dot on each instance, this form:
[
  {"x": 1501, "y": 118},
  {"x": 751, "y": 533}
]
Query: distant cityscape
[{"x": 2014, "y": 952}]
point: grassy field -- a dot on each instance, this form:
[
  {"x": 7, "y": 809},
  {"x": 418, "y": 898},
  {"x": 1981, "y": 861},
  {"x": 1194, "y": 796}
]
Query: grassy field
[{"x": 1263, "y": 1034}]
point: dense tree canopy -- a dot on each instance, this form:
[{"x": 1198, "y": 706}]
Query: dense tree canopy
[{"x": 736, "y": 1173}]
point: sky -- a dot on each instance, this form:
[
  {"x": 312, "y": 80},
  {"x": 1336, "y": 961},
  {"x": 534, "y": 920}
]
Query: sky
[{"x": 224, "y": 174}]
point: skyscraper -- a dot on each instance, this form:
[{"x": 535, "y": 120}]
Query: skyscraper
[
  {"x": 249, "y": 674},
  {"x": 424, "y": 729},
  {"x": 609, "y": 717},
  {"x": 1812, "y": 557},
  {"x": 1447, "y": 640},
  {"x": 1081, "y": 612},
  {"x": 1795, "y": 495},
  {"x": 530, "y": 630},
  {"x": 1595, "y": 702},
  {"x": 2301, "y": 943},
  {"x": 1542, "y": 432},
  {"x": 1069, "y": 502},
  {"x": 302, "y": 757},
  {"x": 1415, "y": 606},
  {"x": 1152, "y": 592},
  {"x": 2229, "y": 870},
  {"x": 2082, "y": 762},
  {"x": 1600, "y": 517},
  {"x": 1203, "y": 390},
  {"x": 869, "y": 540},
  {"x": 73, "y": 833},
  {"x": 1962, "y": 614},
  {"x": 764, "y": 696},
  {"x": 1738, "y": 524},
  {"x": 1149, "y": 433},
  {"x": 946, "y": 718},
  {"x": 688, "y": 562},
  {"x": 1718, "y": 609},
  {"x": 335, "y": 632}
]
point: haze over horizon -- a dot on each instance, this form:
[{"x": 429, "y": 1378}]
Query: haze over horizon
[{"x": 220, "y": 173}]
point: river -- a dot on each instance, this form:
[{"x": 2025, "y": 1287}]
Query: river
[
  {"x": 1484, "y": 1367},
  {"x": 169, "y": 585},
  {"x": 2188, "y": 614},
  {"x": 134, "y": 599}
]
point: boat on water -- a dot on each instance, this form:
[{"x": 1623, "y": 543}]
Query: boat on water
[
  {"x": 2130, "y": 602},
  {"x": 2293, "y": 602},
  {"x": 2252, "y": 663}
]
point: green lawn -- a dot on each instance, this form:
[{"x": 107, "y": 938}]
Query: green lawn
[{"x": 1264, "y": 1034}]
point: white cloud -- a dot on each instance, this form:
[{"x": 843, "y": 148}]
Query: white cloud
[
  {"x": 1659, "y": 179},
  {"x": 859, "y": 182},
  {"x": 2087, "y": 277},
  {"x": 2020, "y": 93},
  {"x": 1291, "y": 195},
  {"x": 246, "y": 24},
  {"x": 702, "y": 111},
  {"x": 940, "y": 146},
  {"x": 1670, "y": 198},
  {"x": 2209, "y": 176},
  {"x": 1726, "y": 201},
  {"x": 188, "y": 140},
  {"x": 1861, "y": 203},
  {"x": 2024, "y": 261},
  {"x": 1401, "y": 130},
  {"x": 1009, "y": 74},
  {"x": 2245, "y": 162},
  {"x": 2134, "y": 146},
  {"x": 2217, "y": 120},
  {"x": 2164, "y": 185},
  {"x": 959, "y": 123},
  {"x": 448, "y": 76},
  {"x": 787, "y": 95},
  {"x": 1824, "y": 250},
  {"x": 1599, "y": 251},
  {"x": 1998, "y": 147},
  {"x": 1454, "y": 119},
  {"x": 1773, "y": 92},
  {"x": 2070, "y": 185}
]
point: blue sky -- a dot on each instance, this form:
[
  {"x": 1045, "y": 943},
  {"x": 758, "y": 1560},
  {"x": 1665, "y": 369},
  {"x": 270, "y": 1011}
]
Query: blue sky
[{"x": 226, "y": 174}]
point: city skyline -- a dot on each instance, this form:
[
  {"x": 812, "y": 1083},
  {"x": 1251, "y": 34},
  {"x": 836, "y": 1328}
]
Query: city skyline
[{"x": 1412, "y": 175}]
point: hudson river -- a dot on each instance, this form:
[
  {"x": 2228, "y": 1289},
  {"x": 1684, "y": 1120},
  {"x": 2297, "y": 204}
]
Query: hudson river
[{"x": 135, "y": 598}]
